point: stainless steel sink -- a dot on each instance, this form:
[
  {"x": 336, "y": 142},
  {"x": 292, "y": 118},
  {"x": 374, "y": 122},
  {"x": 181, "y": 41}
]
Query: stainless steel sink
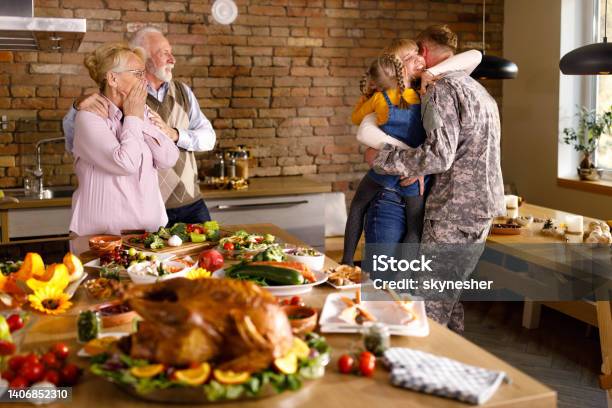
[{"x": 48, "y": 193}]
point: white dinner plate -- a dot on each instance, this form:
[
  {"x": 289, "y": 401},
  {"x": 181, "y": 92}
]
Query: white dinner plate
[
  {"x": 388, "y": 312},
  {"x": 162, "y": 257},
  {"x": 286, "y": 290},
  {"x": 73, "y": 286}
]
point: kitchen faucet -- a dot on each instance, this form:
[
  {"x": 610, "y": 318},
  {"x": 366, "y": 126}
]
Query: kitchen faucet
[{"x": 38, "y": 171}]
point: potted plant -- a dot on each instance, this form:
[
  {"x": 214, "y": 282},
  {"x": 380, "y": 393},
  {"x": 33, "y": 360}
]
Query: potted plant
[{"x": 591, "y": 125}]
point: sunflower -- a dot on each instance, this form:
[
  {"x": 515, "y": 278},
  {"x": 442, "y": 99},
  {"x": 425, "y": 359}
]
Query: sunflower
[
  {"x": 50, "y": 300},
  {"x": 198, "y": 273}
]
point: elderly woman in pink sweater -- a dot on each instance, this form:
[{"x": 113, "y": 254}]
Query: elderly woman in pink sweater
[{"x": 116, "y": 158}]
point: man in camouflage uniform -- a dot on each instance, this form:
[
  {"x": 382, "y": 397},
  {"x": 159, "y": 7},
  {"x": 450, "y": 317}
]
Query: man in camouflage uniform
[{"x": 462, "y": 151}]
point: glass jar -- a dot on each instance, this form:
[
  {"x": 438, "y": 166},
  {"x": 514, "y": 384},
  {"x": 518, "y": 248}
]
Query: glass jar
[
  {"x": 230, "y": 165},
  {"x": 376, "y": 338},
  {"x": 88, "y": 326},
  {"x": 242, "y": 162}
]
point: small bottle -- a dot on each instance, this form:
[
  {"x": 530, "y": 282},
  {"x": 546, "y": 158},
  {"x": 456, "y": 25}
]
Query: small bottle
[
  {"x": 376, "y": 338},
  {"x": 220, "y": 166},
  {"x": 88, "y": 326}
]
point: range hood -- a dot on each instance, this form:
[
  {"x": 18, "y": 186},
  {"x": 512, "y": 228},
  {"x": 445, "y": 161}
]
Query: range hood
[{"x": 21, "y": 31}]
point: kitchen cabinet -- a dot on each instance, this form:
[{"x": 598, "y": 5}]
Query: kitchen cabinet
[
  {"x": 37, "y": 222},
  {"x": 300, "y": 215}
]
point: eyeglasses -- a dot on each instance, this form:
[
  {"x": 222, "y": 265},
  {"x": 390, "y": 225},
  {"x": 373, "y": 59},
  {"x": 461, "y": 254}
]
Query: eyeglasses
[{"x": 138, "y": 73}]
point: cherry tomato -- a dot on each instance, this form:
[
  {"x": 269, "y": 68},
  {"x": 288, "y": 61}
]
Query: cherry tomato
[
  {"x": 32, "y": 372},
  {"x": 30, "y": 358},
  {"x": 259, "y": 240},
  {"x": 345, "y": 364},
  {"x": 367, "y": 363},
  {"x": 60, "y": 350},
  {"x": 15, "y": 322},
  {"x": 70, "y": 374},
  {"x": 285, "y": 302},
  {"x": 15, "y": 362},
  {"x": 49, "y": 359},
  {"x": 19, "y": 382},
  {"x": 53, "y": 377},
  {"x": 296, "y": 301},
  {"x": 228, "y": 246},
  {"x": 8, "y": 375},
  {"x": 7, "y": 348}
]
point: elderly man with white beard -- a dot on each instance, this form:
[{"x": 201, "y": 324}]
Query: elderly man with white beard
[{"x": 177, "y": 113}]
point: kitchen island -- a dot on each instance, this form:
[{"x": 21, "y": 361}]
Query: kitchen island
[{"x": 334, "y": 389}]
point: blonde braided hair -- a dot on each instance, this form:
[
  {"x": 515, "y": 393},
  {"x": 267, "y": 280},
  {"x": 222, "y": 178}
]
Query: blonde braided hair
[{"x": 385, "y": 72}]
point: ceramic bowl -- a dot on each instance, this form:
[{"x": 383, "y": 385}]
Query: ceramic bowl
[
  {"x": 102, "y": 244},
  {"x": 114, "y": 313},
  {"x": 314, "y": 262},
  {"x": 303, "y": 319}
]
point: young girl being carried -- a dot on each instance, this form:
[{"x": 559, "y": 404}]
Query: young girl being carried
[{"x": 389, "y": 90}]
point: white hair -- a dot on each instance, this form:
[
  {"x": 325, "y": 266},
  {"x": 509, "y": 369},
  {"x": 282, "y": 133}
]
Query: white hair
[{"x": 138, "y": 40}]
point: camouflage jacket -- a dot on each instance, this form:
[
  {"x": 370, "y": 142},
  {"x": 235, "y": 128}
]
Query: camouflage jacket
[{"x": 462, "y": 150}]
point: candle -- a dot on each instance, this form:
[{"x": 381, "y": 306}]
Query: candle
[
  {"x": 511, "y": 201},
  {"x": 574, "y": 224},
  {"x": 512, "y": 212}
]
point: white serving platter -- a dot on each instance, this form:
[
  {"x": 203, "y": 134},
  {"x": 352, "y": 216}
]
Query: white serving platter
[{"x": 388, "y": 312}]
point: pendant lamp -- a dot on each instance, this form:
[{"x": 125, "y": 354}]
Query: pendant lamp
[
  {"x": 492, "y": 67},
  {"x": 593, "y": 59}
]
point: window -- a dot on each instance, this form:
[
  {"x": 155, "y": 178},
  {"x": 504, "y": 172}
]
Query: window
[{"x": 604, "y": 94}]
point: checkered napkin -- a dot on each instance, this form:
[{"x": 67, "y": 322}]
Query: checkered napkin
[{"x": 424, "y": 372}]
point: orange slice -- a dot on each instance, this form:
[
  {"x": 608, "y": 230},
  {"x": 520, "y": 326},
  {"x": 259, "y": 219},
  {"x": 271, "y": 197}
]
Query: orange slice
[
  {"x": 147, "y": 371},
  {"x": 230, "y": 377},
  {"x": 300, "y": 348},
  {"x": 194, "y": 376},
  {"x": 287, "y": 364},
  {"x": 99, "y": 346}
]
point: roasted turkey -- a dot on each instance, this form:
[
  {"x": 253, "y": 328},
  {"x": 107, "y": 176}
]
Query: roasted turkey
[{"x": 234, "y": 323}]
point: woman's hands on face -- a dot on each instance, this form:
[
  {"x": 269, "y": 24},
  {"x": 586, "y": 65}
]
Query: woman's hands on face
[
  {"x": 163, "y": 126},
  {"x": 135, "y": 101}
]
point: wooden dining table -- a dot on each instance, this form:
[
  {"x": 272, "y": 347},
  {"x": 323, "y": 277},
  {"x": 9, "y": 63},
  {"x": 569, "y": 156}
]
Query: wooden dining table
[
  {"x": 334, "y": 389},
  {"x": 551, "y": 254}
]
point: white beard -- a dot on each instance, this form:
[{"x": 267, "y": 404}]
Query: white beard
[{"x": 164, "y": 73}]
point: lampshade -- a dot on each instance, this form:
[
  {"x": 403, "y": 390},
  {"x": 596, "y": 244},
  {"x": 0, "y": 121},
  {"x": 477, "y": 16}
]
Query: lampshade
[
  {"x": 592, "y": 59},
  {"x": 492, "y": 67}
]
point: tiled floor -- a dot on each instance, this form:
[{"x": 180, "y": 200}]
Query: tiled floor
[{"x": 561, "y": 353}]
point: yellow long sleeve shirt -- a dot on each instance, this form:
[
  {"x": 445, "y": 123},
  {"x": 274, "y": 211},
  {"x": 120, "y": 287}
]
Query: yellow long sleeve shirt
[{"x": 376, "y": 103}]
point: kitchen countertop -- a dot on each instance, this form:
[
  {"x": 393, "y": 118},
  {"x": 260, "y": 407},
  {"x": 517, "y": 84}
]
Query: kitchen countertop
[
  {"x": 258, "y": 187},
  {"x": 335, "y": 389}
]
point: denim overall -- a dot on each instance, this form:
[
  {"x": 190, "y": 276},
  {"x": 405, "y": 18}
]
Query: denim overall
[
  {"x": 406, "y": 126},
  {"x": 386, "y": 219}
]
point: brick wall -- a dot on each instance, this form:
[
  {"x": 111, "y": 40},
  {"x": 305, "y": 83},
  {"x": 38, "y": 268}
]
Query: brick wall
[{"x": 282, "y": 79}]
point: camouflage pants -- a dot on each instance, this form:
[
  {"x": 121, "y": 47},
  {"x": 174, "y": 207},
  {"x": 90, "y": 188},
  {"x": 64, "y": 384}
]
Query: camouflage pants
[{"x": 457, "y": 247}]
